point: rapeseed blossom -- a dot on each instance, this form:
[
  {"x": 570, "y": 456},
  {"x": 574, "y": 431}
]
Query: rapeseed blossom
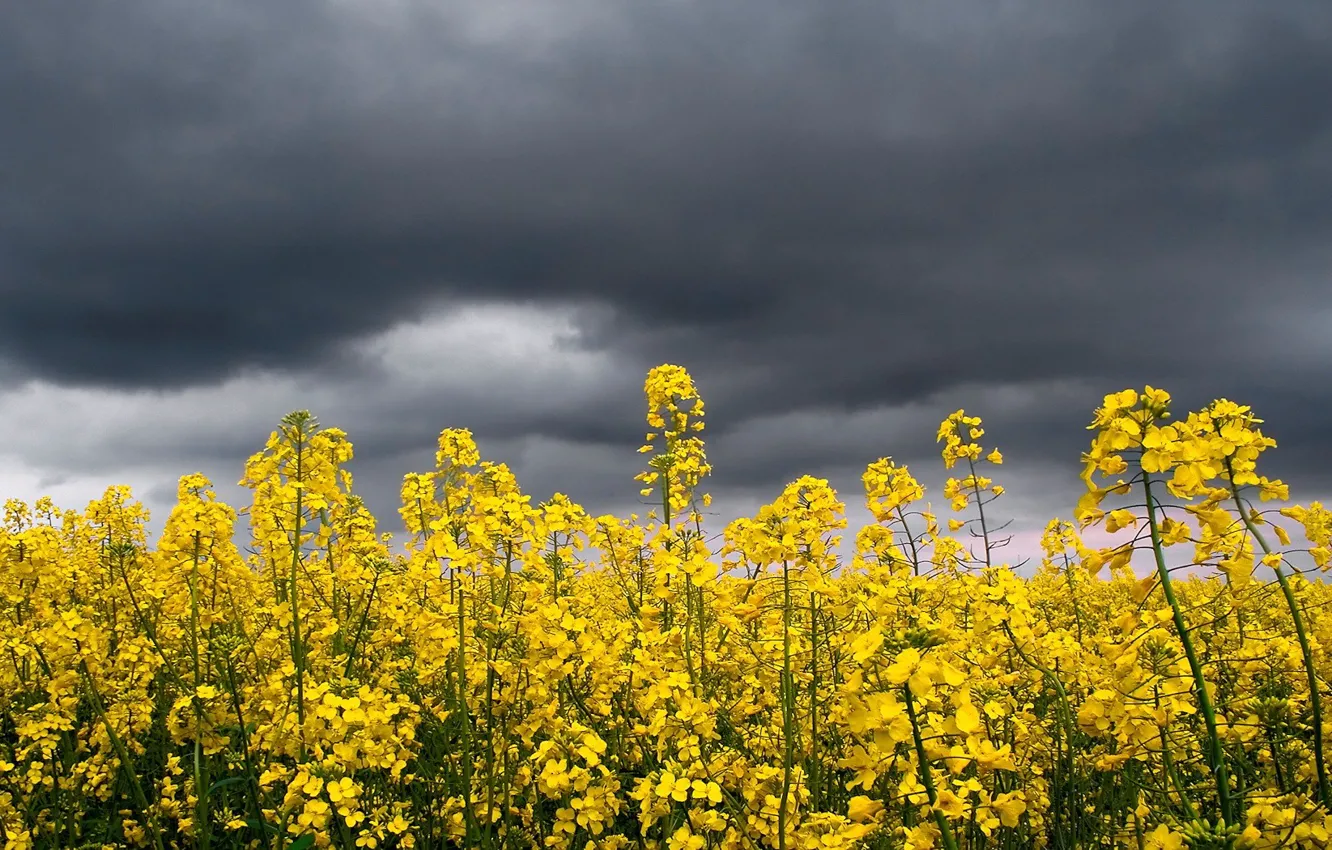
[{"x": 520, "y": 673}]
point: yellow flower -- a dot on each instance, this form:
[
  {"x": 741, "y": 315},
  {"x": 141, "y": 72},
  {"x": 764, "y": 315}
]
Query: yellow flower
[
  {"x": 861, "y": 808},
  {"x": 967, "y": 719},
  {"x": 950, "y": 804}
]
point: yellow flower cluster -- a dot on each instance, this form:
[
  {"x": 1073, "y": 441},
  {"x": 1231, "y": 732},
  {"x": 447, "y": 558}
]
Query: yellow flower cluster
[{"x": 520, "y": 675}]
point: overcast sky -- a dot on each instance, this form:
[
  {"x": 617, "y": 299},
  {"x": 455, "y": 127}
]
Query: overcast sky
[{"x": 846, "y": 219}]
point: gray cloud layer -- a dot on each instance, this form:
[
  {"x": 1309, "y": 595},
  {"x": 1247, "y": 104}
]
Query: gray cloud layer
[{"x": 864, "y": 209}]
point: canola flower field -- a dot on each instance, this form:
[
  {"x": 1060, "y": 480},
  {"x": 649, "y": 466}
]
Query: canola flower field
[{"x": 533, "y": 676}]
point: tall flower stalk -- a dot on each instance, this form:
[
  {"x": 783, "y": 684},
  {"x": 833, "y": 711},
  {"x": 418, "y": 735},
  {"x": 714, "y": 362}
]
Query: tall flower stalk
[
  {"x": 1236, "y": 428},
  {"x": 1129, "y": 421}
]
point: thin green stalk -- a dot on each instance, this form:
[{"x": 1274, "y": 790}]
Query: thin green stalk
[
  {"x": 1310, "y": 672},
  {"x": 980, "y": 510},
  {"x": 360, "y": 627},
  {"x": 122, "y": 753},
  {"x": 1066, "y": 710},
  {"x": 492, "y": 653},
  {"x": 1216, "y": 755},
  {"x": 1171, "y": 776},
  {"x": 788, "y": 707},
  {"x": 201, "y": 782},
  {"x": 926, "y": 776},
  {"x": 702, "y": 624},
  {"x": 911, "y": 541},
  {"x": 688, "y": 633},
  {"x": 1065, "y": 714},
  {"x": 252, "y": 783},
  {"x": 1073, "y": 594},
  {"x": 297, "y": 649},
  {"x": 468, "y": 815},
  {"x": 815, "y": 797},
  {"x": 666, "y": 521}
]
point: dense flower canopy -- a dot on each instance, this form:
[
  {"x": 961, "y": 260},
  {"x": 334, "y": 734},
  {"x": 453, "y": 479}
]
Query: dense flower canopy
[{"x": 517, "y": 675}]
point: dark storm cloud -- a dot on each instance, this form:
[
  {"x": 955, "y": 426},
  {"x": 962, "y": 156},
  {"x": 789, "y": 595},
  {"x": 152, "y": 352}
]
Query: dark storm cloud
[{"x": 813, "y": 206}]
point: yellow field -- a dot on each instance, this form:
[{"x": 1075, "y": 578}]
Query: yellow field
[{"x": 532, "y": 676}]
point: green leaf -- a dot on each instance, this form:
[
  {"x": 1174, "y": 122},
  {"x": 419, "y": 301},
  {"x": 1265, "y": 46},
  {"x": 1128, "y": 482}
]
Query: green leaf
[
  {"x": 261, "y": 826},
  {"x": 230, "y": 780}
]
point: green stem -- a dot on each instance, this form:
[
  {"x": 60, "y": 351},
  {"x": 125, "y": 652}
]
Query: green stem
[
  {"x": 1216, "y": 755},
  {"x": 1063, "y": 754},
  {"x": 252, "y": 782},
  {"x": 360, "y": 627},
  {"x": 297, "y": 649},
  {"x": 1311, "y": 674},
  {"x": 815, "y": 797},
  {"x": 201, "y": 784},
  {"x": 926, "y": 776},
  {"x": 122, "y": 753},
  {"x": 1168, "y": 763},
  {"x": 468, "y": 815},
  {"x": 980, "y": 510},
  {"x": 688, "y": 634},
  {"x": 1073, "y": 594},
  {"x": 788, "y": 712},
  {"x": 1065, "y": 711}
]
